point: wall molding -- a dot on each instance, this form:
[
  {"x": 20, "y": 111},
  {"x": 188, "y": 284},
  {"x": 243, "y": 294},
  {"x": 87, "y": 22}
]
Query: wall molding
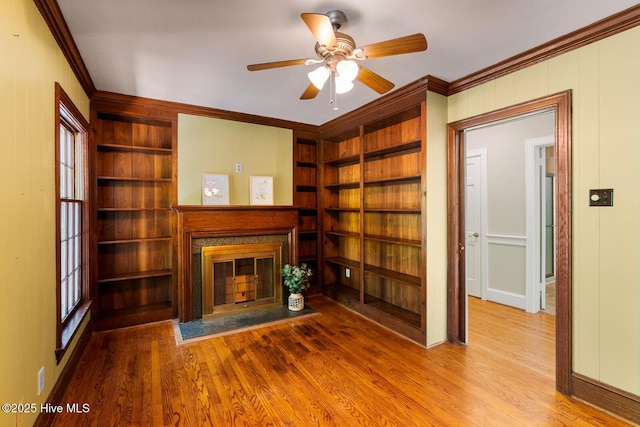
[
  {"x": 597, "y": 31},
  {"x": 52, "y": 15},
  {"x": 60, "y": 387},
  {"x": 614, "y": 400}
]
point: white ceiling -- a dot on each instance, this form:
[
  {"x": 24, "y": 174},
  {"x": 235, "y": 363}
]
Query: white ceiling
[{"x": 196, "y": 51}]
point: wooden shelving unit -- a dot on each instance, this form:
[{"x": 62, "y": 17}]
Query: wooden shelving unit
[
  {"x": 305, "y": 173},
  {"x": 134, "y": 187},
  {"x": 373, "y": 214}
]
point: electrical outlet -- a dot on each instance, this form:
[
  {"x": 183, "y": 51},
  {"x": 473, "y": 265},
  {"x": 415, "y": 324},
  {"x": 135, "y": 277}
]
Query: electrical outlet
[
  {"x": 40, "y": 380},
  {"x": 347, "y": 272},
  {"x": 238, "y": 167}
]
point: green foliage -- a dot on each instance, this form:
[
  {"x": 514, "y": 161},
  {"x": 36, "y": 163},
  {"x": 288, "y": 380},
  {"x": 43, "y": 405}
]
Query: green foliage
[{"x": 296, "y": 278}]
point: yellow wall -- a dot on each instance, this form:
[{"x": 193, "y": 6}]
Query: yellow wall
[
  {"x": 605, "y": 80},
  {"x": 31, "y": 63},
  {"x": 436, "y": 217},
  {"x": 208, "y": 145}
]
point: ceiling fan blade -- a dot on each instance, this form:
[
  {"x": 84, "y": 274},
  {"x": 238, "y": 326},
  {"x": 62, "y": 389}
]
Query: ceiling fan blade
[
  {"x": 374, "y": 81},
  {"x": 320, "y": 26},
  {"x": 310, "y": 92},
  {"x": 406, "y": 44},
  {"x": 276, "y": 64}
]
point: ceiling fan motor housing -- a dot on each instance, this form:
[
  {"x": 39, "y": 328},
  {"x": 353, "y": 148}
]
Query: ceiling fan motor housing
[{"x": 346, "y": 46}]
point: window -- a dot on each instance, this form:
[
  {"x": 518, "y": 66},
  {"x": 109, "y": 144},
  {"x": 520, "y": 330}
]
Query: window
[{"x": 72, "y": 216}]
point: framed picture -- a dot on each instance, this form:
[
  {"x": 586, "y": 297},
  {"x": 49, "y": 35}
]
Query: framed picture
[
  {"x": 215, "y": 189},
  {"x": 261, "y": 190}
]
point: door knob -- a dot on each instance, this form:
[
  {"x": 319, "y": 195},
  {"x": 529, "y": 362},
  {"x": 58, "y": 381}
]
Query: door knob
[{"x": 476, "y": 234}]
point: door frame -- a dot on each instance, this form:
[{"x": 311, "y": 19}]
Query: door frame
[
  {"x": 560, "y": 103},
  {"x": 533, "y": 191}
]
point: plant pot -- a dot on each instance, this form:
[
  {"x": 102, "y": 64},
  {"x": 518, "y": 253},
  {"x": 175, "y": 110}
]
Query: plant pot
[{"x": 296, "y": 302}]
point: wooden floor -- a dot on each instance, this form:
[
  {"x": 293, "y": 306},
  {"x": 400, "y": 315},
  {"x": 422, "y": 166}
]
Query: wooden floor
[{"x": 332, "y": 369}]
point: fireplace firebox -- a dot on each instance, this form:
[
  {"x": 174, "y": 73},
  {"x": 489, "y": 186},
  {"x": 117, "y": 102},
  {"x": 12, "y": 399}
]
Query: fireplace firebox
[{"x": 241, "y": 277}]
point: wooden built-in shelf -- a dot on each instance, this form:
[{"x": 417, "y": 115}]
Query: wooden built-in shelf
[
  {"x": 394, "y": 150},
  {"x": 106, "y": 209},
  {"x": 134, "y": 149},
  {"x": 138, "y": 240},
  {"x": 340, "y": 233},
  {"x": 345, "y": 262},
  {"x": 343, "y": 161},
  {"x": 409, "y": 317},
  {"x": 394, "y": 180},
  {"x": 134, "y": 179},
  {"x": 393, "y": 240},
  {"x": 372, "y": 192},
  {"x": 338, "y": 210},
  {"x": 393, "y": 275},
  {"x": 133, "y": 162},
  {"x": 135, "y": 276},
  {"x": 342, "y": 186}
]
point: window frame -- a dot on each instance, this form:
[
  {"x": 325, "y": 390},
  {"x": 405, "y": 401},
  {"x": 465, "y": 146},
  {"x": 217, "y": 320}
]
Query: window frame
[{"x": 68, "y": 115}]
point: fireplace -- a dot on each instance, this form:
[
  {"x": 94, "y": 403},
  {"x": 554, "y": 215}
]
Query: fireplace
[
  {"x": 201, "y": 229},
  {"x": 241, "y": 277}
]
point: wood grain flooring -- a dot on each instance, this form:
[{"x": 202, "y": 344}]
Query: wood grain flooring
[{"x": 332, "y": 369}]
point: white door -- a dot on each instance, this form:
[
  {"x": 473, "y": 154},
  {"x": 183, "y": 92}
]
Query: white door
[{"x": 476, "y": 161}]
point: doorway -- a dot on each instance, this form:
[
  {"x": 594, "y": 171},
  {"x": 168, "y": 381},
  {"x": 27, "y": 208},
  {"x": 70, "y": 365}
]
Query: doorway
[
  {"x": 560, "y": 104},
  {"x": 501, "y": 249}
]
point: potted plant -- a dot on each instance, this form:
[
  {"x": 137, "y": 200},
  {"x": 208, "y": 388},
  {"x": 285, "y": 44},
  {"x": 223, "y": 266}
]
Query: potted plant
[{"x": 296, "y": 278}]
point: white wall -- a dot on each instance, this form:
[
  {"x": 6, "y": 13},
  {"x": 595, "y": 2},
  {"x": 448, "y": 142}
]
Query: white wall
[{"x": 505, "y": 144}]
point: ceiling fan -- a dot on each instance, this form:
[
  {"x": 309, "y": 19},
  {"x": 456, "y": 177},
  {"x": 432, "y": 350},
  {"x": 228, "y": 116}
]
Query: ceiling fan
[{"x": 339, "y": 56}]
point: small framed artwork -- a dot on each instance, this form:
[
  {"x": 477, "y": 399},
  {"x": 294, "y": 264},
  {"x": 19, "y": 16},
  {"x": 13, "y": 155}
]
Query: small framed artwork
[
  {"x": 215, "y": 189},
  {"x": 261, "y": 190}
]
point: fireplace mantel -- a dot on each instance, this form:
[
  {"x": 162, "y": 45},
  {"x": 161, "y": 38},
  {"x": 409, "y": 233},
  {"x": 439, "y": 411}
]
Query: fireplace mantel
[{"x": 192, "y": 222}]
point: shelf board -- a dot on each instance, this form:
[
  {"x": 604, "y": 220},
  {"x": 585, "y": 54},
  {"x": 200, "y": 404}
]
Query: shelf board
[
  {"x": 345, "y": 262},
  {"x": 134, "y": 149},
  {"x": 303, "y": 164},
  {"x": 133, "y": 179},
  {"x": 140, "y": 240},
  {"x": 338, "y": 290},
  {"x": 306, "y": 188},
  {"x": 330, "y": 210},
  {"x": 129, "y": 316},
  {"x": 308, "y": 258},
  {"x": 132, "y": 209},
  {"x": 342, "y": 186},
  {"x": 343, "y": 234},
  {"x": 135, "y": 276},
  {"x": 393, "y": 211},
  {"x": 395, "y": 150},
  {"x": 393, "y": 275},
  {"x": 393, "y": 240},
  {"x": 343, "y": 161},
  {"x": 409, "y": 179},
  {"x": 404, "y": 315}
]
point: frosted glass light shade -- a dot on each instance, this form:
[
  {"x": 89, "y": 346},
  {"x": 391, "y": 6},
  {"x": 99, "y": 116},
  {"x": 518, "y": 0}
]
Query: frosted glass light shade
[
  {"x": 347, "y": 69},
  {"x": 342, "y": 85},
  {"x": 319, "y": 76}
]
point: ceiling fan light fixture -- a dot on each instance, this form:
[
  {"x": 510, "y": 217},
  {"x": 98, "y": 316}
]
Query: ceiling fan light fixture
[
  {"x": 343, "y": 85},
  {"x": 347, "y": 69},
  {"x": 319, "y": 76}
]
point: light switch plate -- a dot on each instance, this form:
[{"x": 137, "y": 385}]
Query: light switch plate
[{"x": 601, "y": 197}]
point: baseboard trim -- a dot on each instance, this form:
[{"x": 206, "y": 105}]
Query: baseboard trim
[
  {"x": 611, "y": 399},
  {"x": 61, "y": 385}
]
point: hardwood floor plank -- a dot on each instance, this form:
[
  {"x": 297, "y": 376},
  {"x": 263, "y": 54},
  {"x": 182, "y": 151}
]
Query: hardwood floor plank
[{"x": 332, "y": 369}]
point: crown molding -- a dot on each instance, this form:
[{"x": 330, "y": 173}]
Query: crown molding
[
  {"x": 52, "y": 15},
  {"x": 599, "y": 30}
]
